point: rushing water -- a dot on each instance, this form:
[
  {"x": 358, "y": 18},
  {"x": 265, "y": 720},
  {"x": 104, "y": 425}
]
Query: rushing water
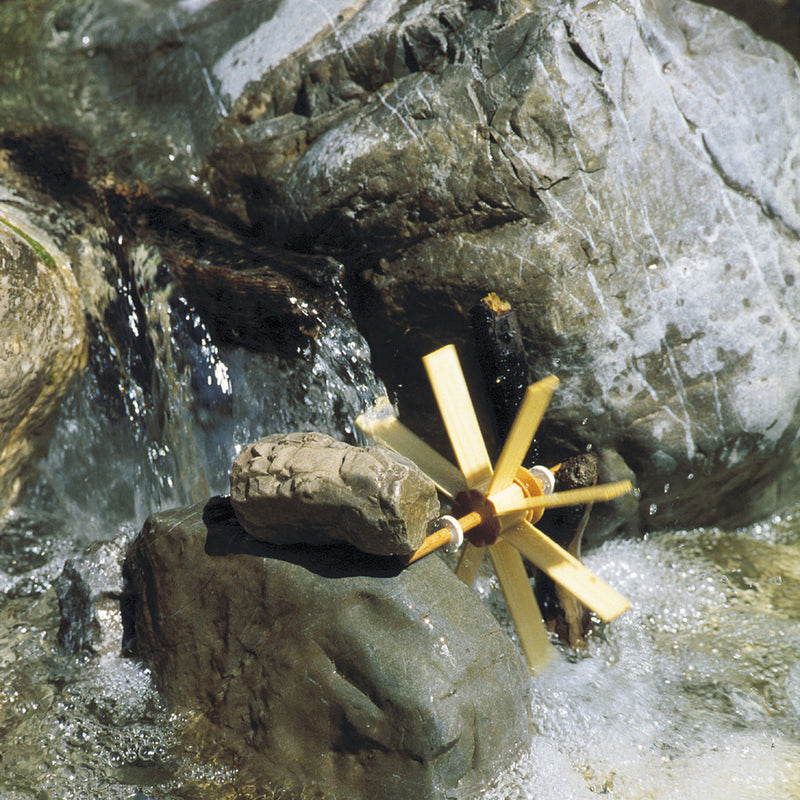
[
  {"x": 691, "y": 694},
  {"x": 694, "y": 693}
]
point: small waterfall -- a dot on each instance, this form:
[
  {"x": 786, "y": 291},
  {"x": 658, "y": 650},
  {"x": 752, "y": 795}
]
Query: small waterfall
[
  {"x": 162, "y": 409},
  {"x": 154, "y": 421}
]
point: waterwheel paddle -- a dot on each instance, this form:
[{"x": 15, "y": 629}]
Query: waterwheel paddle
[{"x": 497, "y": 505}]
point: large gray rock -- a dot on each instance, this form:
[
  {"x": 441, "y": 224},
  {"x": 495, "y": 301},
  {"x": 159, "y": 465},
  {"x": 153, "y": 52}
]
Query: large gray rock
[
  {"x": 621, "y": 172},
  {"x": 42, "y": 345},
  {"x": 324, "y": 666},
  {"x": 310, "y": 488},
  {"x": 599, "y": 165}
]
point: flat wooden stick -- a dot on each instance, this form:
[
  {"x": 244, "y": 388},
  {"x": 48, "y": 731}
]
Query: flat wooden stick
[
  {"x": 469, "y": 563},
  {"x": 534, "y": 403},
  {"x": 383, "y": 426},
  {"x": 452, "y": 397},
  {"x": 522, "y": 605},
  {"x": 570, "y": 497},
  {"x": 567, "y": 571}
]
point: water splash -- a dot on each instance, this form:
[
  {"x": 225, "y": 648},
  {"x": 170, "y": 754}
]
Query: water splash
[
  {"x": 154, "y": 421},
  {"x": 162, "y": 410},
  {"x": 691, "y": 693}
]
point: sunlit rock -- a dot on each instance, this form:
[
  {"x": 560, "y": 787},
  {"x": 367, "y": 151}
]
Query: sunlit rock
[
  {"x": 602, "y": 167},
  {"x": 42, "y": 345},
  {"x": 621, "y": 173},
  {"x": 309, "y": 488},
  {"x": 324, "y": 666}
]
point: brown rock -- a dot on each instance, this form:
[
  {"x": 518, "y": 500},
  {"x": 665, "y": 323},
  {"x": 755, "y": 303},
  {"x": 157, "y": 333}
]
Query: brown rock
[
  {"x": 310, "y": 488},
  {"x": 42, "y": 345},
  {"x": 325, "y": 667}
]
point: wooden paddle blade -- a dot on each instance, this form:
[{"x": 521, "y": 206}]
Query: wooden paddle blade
[
  {"x": 571, "y": 497},
  {"x": 522, "y": 605},
  {"x": 567, "y": 571},
  {"x": 531, "y": 410},
  {"x": 469, "y": 563},
  {"x": 383, "y": 426},
  {"x": 452, "y": 397}
]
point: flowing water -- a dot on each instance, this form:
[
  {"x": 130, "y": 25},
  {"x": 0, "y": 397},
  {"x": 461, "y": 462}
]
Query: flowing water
[
  {"x": 691, "y": 694},
  {"x": 694, "y": 693}
]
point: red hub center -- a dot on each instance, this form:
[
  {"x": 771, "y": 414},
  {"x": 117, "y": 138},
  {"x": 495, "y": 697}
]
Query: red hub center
[{"x": 473, "y": 502}]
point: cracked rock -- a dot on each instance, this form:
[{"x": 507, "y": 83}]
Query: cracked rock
[
  {"x": 309, "y": 488},
  {"x": 600, "y": 166},
  {"x": 622, "y": 173},
  {"x": 327, "y": 667}
]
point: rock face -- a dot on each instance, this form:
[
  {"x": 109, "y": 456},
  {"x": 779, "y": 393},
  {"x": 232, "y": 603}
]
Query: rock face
[
  {"x": 336, "y": 669},
  {"x": 601, "y": 167},
  {"x": 309, "y": 488},
  {"x": 42, "y": 345},
  {"x": 621, "y": 173}
]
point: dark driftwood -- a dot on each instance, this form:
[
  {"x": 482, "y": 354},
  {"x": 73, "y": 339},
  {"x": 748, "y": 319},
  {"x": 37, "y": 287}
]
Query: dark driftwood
[
  {"x": 501, "y": 355},
  {"x": 565, "y": 615}
]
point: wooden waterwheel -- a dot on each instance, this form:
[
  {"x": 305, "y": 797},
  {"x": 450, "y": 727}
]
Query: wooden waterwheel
[{"x": 495, "y": 506}]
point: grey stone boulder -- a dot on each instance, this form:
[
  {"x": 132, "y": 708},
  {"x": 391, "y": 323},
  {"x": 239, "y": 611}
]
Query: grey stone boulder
[
  {"x": 42, "y": 346},
  {"x": 324, "y": 667},
  {"x": 623, "y": 174},
  {"x": 599, "y": 165},
  {"x": 310, "y": 488}
]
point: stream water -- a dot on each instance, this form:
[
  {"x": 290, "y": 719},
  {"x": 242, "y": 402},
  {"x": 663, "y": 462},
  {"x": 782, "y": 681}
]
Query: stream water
[{"x": 694, "y": 693}]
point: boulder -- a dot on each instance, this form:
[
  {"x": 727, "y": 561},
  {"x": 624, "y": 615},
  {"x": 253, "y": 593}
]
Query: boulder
[
  {"x": 310, "y": 488},
  {"x": 325, "y": 667},
  {"x": 42, "y": 346},
  {"x": 598, "y": 165},
  {"x": 621, "y": 174}
]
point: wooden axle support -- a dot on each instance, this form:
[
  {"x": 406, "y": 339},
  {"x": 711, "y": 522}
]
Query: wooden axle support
[
  {"x": 481, "y": 520},
  {"x": 502, "y": 506}
]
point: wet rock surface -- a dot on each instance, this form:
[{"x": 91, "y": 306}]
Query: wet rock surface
[
  {"x": 308, "y": 488},
  {"x": 776, "y": 20},
  {"x": 338, "y": 669},
  {"x": 42, "y": 346},
  {"x": 76, "y": 609},
  {"x": 698, "y": 685},
  {"x": 600, "y": 167},
  {"x": 628, "y": 213}
]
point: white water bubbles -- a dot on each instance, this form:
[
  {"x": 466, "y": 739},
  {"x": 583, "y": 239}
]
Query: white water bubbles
[{"x": 695, "y": 692}]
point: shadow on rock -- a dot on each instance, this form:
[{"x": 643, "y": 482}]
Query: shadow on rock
[{"x": 225, "y": 537}]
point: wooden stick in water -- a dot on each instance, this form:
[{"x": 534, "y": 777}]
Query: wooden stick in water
[
  {"x": 565, "y": 569},
  {"x": 522, "y": 605},
  {"x": 572, "y": 497},
  {"x": 434, "y": 541}
]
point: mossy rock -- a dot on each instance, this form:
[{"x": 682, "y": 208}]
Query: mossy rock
[{"x": 42, "y": 346}]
